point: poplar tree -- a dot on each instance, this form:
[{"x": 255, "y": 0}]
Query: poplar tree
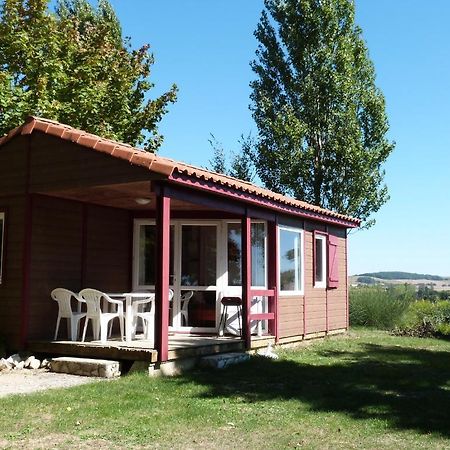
[
  {"x": 73, "y": 65},
  {"x": 320, "y": 117}
]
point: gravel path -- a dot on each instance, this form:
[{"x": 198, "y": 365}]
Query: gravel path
[{"x": 27, "y": 381}]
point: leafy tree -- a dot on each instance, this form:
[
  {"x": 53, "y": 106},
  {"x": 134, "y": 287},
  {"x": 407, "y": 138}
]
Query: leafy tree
[
  {"x": 74, "y": 66},
  {"x": 240, "y": 166},
  {"x": 218, "y": 162},
  {"x": 321, "y": 120}
]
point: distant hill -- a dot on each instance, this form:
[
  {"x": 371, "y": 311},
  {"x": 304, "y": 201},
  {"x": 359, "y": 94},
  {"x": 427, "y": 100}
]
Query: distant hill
[{"x": 402, "y": 276}]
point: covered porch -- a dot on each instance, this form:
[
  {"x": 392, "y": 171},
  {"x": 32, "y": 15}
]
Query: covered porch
[{"x": 178, "y": 239}]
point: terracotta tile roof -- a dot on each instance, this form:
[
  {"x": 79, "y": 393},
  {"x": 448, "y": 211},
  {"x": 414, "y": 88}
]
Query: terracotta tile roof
[{"x": 164, "y": 166}]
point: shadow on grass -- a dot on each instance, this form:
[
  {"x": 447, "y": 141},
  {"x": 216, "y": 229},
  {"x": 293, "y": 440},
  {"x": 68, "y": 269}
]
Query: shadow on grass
[{"x": 408, "y": 388}]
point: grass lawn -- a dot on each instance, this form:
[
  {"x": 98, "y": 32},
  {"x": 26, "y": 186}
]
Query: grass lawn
[{"x": 367, "y": 390}]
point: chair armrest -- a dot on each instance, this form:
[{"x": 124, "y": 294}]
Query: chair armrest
[
  {"x": 80, "y": 300},
  {"x": 143, "y": 301},
  {"x": 110, "y": 300},
  {"x": 119, "y": 303}
]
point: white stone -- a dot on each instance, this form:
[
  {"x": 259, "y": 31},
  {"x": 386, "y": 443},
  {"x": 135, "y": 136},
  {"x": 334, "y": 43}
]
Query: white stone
[
  {"x": 268, "y": 352},
  {"x": 45, "y": 363},
  {"x": 19, "y": 365},
  {"x": 35, "y": 364},
  {"x": 13, "y": 359},
  {"x": 28, "y": 361},
  {"x": 5, "y": 365}
]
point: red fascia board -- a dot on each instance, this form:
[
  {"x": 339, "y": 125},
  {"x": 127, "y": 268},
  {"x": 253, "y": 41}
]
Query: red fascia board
[{"x": 258, "y": 201}]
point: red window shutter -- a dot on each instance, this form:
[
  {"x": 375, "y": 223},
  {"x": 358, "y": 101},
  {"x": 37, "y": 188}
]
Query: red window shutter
[{"x": 333, "y": 266}]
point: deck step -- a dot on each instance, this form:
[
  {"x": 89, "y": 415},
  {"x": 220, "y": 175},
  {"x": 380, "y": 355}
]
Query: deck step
[
  {"x": 223, "y": 360},
  {"x": 88, "y": 367}
]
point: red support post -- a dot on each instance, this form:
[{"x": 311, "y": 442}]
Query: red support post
[
  {"x": 273, "y": 276},
  {"x": 246, "y": 279},
  {"x": 162, "y": 275}
]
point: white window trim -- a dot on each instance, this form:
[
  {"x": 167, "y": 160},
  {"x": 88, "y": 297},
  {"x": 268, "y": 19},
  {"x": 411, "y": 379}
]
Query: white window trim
[
  {"x": 2, "y": 245},
  {"x": 321, "y": 284},
  {"x": 301, "y": 291}
]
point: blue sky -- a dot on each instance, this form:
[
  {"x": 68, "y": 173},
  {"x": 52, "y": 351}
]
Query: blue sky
[{"x": 205, "y": 46}]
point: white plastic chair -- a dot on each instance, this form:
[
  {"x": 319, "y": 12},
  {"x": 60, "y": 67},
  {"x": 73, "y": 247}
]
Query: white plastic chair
[
  {"x": 147, "y": 317},
  {"x": 100, "y": 320},
  {"x": 64, "y": 297},
  {"x": 184, "y": 302}
]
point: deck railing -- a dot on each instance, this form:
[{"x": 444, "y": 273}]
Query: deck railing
[{"x": 270, "y": 316}]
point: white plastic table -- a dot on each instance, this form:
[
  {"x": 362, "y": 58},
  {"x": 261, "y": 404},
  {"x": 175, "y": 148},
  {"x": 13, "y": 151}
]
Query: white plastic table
[{"x": 130, "y": 318}]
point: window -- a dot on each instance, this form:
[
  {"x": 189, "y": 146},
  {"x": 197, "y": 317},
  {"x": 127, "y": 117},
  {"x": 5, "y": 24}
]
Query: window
[
  {"x": 146, "y": 252},
  {"x": 320, "y": 261},
  {"x": 2, "y": 244},
  {"x": 291, "y": 260},
  {"x": 198, "y": 255},
  {"x": 234, "y": 251}
]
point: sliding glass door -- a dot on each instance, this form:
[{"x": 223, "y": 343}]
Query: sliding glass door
[
  {"x": 205, "y": 265},
  {"x": 193, "y": 271},
  {"x": 198, "y": 274}
]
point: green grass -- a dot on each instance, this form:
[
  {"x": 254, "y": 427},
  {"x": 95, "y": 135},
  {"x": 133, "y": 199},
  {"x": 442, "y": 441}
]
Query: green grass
[{"x": 368, "y": 390}]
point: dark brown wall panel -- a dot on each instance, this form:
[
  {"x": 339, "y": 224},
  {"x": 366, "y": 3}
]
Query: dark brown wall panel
[
  {"x": 55, "y": 260},
  {"x": 11, "y": 286},
  {"x": 108, "y": 248},
  {"x": 13, "y": 157},
  {"x": 57, "y": 164},
  {"x": 62, "y": 257}
]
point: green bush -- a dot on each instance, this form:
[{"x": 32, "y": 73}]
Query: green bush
[
  {"x": 424, "y": 318},
  {"x": 379, "y": 307}
]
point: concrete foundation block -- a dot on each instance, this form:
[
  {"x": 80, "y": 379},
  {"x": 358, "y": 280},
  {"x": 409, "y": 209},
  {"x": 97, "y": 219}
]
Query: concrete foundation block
[
  {"x": 223, "y": 360},
  {"x": 86, "y": 367}
]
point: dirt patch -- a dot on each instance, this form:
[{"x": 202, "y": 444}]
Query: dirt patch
[
  {"x": 27, "y": 381},
  {"x": 58, "y": 441}
]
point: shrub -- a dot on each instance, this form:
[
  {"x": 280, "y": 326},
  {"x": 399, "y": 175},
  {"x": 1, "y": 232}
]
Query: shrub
[
  {"x": 424, "y": 318},
  {"x": 379, "y": 307}
]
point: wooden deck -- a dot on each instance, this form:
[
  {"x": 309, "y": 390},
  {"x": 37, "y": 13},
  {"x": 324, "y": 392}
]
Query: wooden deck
[{"x": 180, "y": 346}]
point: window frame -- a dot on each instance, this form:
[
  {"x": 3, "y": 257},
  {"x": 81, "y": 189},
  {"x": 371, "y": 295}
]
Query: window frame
[
  {"x": 2, "y": 245},
  {"x": 301, "y": 233},
  {"x": 266, "y": 250},
  {"x": 324, "y": 238}
]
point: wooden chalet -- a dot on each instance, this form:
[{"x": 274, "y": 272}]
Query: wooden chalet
[{"x": 78, "y": 211}]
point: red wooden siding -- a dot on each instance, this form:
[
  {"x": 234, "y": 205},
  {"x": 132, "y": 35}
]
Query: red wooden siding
[
  {"x": 319, "y": 309},
  {"x": 333, "y": 262},
  {"x": 290, "y": 321},
  {"x": 337, "y": 298}
]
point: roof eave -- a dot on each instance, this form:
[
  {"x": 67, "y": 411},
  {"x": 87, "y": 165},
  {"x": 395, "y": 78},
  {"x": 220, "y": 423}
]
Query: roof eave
[{"x": 254, "y": 200}]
